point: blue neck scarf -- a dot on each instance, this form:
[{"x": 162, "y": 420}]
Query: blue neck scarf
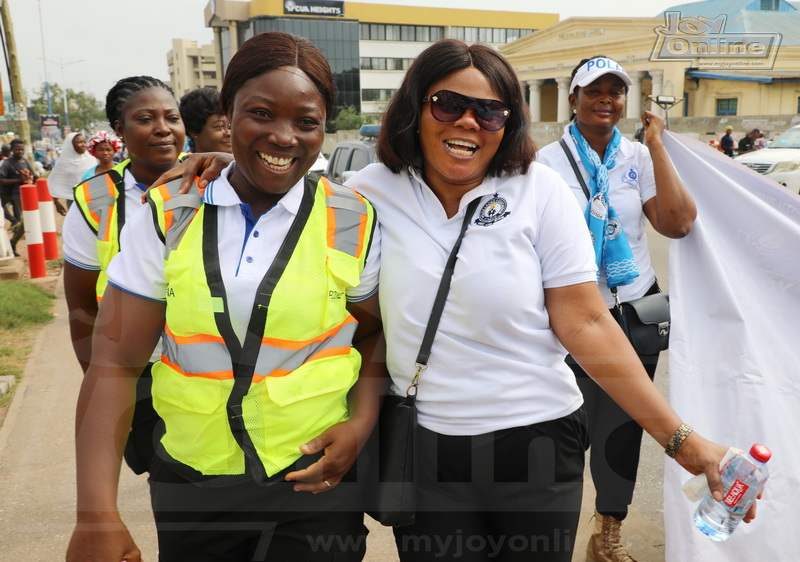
[{"x": 612, "y": 252}]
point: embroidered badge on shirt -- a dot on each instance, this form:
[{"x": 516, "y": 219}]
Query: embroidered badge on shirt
[
  {"x": 494, "y": 210},
  {"x": 631, "y": 177}
]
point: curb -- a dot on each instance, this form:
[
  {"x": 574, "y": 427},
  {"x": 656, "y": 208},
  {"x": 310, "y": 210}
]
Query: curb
[{"x": 6, "y": 382}]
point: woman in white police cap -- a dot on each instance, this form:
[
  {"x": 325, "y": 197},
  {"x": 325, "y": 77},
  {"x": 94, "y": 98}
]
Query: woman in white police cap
[{"x": 626, "y": 182}]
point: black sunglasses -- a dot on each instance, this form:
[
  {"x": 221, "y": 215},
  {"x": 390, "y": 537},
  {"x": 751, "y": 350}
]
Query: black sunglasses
[{"x": 447, "y": 106}]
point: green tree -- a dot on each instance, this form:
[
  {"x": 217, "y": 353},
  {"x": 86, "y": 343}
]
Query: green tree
[
  {"x": 348, "y": 119},
  {"x": 84, "y": 110}
]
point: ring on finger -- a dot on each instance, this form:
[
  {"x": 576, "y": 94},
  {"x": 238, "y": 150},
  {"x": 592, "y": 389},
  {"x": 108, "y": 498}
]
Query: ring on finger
[{"x": 328, "y": 484}]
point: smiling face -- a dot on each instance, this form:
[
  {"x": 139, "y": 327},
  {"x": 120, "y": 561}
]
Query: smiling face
[
  {"x": 152, "y": 129},
  {"x": 277, "y": 129},
  {"x": 600, "y": 104},
  {"x": 457, "y": 155},
  {"x": 79, "y": 144},
  {"x": 215, "y": 136}
]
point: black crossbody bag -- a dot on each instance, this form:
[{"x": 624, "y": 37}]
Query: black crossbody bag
[
  {"x": 646, "y": 320},
  {"x": 393, "y": 501}
]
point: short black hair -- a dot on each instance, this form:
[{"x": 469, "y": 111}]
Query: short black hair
[
  {"x": 398, "y": 141},
  {"x": 124, "y": 89},
  {"x": 17, "y": 141},
  {"x": 275, "y": 49},
  {"x": 197, "y": 106}
]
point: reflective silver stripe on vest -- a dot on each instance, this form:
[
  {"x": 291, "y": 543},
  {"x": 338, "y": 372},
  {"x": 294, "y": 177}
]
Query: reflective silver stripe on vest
[
  {"x": 100, "y": 202},
  {"x": 211, "y": 357},
  {"x": 183, "y": 208},
  {"x": 348, "y": 211}
]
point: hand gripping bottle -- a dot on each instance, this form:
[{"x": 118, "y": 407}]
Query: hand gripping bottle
[{"x": 743, "y": 478}]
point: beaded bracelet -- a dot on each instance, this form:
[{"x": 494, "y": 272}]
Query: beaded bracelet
[{"x": 677, "y": 440}]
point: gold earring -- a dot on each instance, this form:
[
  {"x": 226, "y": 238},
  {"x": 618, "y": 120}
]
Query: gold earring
[{"x": 574, "y": 111}]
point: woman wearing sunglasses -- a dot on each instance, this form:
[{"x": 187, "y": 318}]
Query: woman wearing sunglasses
[
  {"x": 502, "y": 427},
  {"x": 636, "y": 181}
]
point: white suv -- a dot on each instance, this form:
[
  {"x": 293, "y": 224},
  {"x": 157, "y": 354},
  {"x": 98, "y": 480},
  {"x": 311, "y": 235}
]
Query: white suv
[{"x": 780, "y": 160}]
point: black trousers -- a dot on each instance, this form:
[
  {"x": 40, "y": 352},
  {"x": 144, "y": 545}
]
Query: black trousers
[
  {"x": 233, "y": 518},
  {"x": 509, "y": 495},
  {"x": 616, "y": 441}
]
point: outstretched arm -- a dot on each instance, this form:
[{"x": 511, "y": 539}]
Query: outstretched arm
[
  {"x": 672, "y": 211},
  {"x": 584, "y": 326},
  {"x": 207, "y": 165},
  {"x": 127, "y": 330},
  {"x": 79, "y": 289}
]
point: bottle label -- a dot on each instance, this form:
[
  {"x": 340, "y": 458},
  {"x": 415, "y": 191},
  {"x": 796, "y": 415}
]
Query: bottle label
[{"x": 735, "y": 493}]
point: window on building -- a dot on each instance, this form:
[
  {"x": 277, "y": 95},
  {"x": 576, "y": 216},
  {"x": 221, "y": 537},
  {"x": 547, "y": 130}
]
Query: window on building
[
  {"x": 377, "y": 94},
  {"x": 377, "y": 32},
  {"x": 727, "y": 106}
]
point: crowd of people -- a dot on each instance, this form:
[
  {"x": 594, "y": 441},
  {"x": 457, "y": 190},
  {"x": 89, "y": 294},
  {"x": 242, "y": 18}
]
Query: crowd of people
[
  {"x": 239, "y": 321},
  {"x": 754, "y": 140}
]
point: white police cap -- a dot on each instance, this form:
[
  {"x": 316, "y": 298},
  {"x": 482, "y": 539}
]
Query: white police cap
[{"x": 594, "y": 69}]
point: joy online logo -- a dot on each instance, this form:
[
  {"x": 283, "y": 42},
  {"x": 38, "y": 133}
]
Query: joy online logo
[{"x": 705, "y": 40}]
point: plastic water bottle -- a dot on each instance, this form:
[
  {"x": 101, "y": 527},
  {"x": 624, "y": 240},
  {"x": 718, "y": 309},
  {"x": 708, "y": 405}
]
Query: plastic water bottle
[{"x": 743, "y": 478}]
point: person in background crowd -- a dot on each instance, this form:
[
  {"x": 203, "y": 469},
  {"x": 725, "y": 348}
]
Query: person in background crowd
[
  {"x": 726, "y": 143},
  {"x": 761, "y": 142},
  {"x": 103, "y": 147},
  {"x": 14, "y": 172},
  {"x": 748, "y": 142},
  {"x": 5, "y": 151},
  {"x": 207, "y": 129},
  {"x": 143, "y": 112},
  {"x": 68, "y": 170},
  {"x": 502, "y": 430},
  {"x": 266, "y": 291},
  {"x": 637, "y": 183}
]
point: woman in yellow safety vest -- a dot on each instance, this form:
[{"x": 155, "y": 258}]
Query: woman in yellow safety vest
[
  {"x": 144, "y": 113},
  {"x": 264, "y": 286}
]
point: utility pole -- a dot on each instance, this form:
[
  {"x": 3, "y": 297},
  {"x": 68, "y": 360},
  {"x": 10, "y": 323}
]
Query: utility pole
[{"x": 17, "y": 93}]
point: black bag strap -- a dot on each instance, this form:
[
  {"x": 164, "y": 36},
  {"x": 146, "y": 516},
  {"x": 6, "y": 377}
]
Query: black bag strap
[
  {"x": 575, "y": 169},
  {"x": 438, "y": 303}
]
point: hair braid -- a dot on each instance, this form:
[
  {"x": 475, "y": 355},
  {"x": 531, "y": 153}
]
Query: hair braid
[{"x": 123, "y": 90}]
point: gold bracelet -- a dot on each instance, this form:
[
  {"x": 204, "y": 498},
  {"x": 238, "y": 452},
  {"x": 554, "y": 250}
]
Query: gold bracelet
[{"x": 677, "y": 440}]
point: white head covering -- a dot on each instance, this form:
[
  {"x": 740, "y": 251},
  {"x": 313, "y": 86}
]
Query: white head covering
[
  {"x": 68, "y": 169},
  {"x": 594, "y": 69}
]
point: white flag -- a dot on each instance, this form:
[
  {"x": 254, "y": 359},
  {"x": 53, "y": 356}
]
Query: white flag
[{"x": 734, "y": 357}]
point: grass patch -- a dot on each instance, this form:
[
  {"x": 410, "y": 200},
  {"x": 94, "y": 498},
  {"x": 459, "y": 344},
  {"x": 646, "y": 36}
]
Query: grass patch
[{"x": 24, "y": 307}]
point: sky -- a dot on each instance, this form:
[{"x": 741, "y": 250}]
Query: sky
[{"x": 90, "y": 44}]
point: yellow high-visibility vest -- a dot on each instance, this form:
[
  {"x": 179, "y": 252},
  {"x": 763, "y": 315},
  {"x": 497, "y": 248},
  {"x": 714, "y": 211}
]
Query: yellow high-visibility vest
[
  {"x": 101, "y": 200},
  {"x": 232, "y": 407}
]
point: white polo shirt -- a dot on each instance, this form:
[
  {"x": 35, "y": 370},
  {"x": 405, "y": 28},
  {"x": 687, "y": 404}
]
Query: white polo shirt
[
  {"x": 80, "y": 242},
  {"x": 632, "y": 182},
  {"x": 495, "y": 362},
  {"x": 248, "y": 245}
]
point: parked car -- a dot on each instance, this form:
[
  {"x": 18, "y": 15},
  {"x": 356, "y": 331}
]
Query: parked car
[
  {"x": 348, "y": 157},
  {"x": 320, "y": 165},
  {"x": 779, "y": 160}
]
